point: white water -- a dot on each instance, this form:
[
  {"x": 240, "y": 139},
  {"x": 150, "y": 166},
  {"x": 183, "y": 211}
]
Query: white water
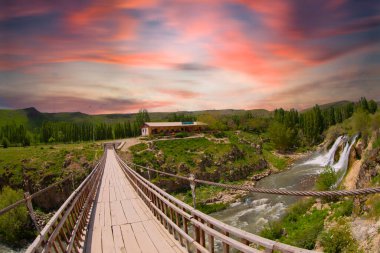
[
  {"x": 328, "y": 158},
  {"x": 341, "y": 166},
  {"x": 256, "y": 210}
]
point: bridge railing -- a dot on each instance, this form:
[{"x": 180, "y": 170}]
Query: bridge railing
[
  {"x": 65, "y": 232},
  {"x": 195, "y": 230}
]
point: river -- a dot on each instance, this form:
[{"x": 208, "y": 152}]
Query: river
[{"x": 254, "y": 211}]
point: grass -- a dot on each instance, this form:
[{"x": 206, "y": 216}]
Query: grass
[
  {"x": 42, "y": 163},
  {"x": 342, "y": 208},
  {"x": 338, "y": 239},
  {"x": 278, "y": 162},
  {"x": 376, "y": 144},
  {"x": 373, "y": 203},
  {"x": 190, "y": 151},
  {"x": 139, "y": 147},
  {"x": 299, "y": 227}
]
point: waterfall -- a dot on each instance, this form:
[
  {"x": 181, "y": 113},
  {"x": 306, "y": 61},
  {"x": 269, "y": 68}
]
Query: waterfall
[
  {"x": 341, "y": 166},
  {"x": 328, "y": 158}
]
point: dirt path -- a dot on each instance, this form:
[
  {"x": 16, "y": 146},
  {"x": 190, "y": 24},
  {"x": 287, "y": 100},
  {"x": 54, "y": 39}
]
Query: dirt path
[{"x": 130, "y": 142}]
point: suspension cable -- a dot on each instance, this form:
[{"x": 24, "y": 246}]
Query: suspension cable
[{"x": 333, "y": 193}]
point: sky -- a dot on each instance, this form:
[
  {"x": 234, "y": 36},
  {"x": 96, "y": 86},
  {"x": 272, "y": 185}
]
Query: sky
[{"x": 117, "y": 56}]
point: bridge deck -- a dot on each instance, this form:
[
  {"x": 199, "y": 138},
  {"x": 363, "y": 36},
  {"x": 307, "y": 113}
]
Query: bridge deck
[{"x": 121, "y": 222}]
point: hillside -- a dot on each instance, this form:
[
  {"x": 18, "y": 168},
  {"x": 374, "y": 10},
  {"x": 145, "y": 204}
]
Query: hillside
[{"x": 31, "y": 117}]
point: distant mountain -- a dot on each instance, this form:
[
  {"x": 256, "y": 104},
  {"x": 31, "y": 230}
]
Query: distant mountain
[
  {"x": 32, "y": 118},
  {"x": 328, "y": 105}
]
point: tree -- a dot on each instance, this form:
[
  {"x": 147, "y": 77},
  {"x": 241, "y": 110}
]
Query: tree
[
  {"x": 361, "y": 122},
  {"x": 5, "y": 142},
  {"x": 212, "y": 122},
  {"x": 282, "y": 137},
  {"x": 372, "y": 106},
  {"x": 142, "y": 117}
]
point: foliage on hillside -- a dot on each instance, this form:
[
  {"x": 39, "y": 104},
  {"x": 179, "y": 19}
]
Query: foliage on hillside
[
  {"x": 14, "y": 225},
  {"x": 44, "y": 164},
  {"x": 291, "y": 129}
]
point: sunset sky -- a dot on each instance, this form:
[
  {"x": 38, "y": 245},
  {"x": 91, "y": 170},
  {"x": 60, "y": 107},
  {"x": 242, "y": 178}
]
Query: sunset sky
[{"x": 116, "y": 56}]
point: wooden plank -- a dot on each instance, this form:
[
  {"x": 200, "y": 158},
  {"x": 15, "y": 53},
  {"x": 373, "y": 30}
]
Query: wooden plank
[
  {"x": 146, "y": 245},
  {"x": 94, "y": 245},
  {"x": 130, "y": 212},
  {"x": 107, "y": 240},
  {"x": 101, "y": 214},
  {"x": 129, "y": 238},
  {"x": 158, "y": 240},
  {"x": 138, "y": 206},
  {"x": 117, "y": 214},
  {"x": 107, "y": 214},
  {"x": 118, "y": 239}
]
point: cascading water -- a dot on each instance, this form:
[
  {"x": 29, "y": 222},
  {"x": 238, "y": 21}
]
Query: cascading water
[
  {"x": 256, "y": 210},
  {"x": 328, "y": 158},
  {"x": 341, "y": 166}
]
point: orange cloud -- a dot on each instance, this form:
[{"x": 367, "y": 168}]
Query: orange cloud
[{"x": 179, "y": 93}]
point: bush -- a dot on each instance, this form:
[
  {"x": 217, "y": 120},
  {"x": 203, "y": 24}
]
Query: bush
[
  {"x": 299, "y": 227},
  {"x": 338, "y": 239},
  {"x": 5, "y": 142},
  {"x": 273, "y": 231},
  {"x": 326, "y": 179},
  {"x": 182, "y": 135},
  {"x": 282, "y": 137},
  {"x": 219, "y": 135},
  {"x": 343, "y": 208},
  {"x": 15, "y": 224},
  {"x": 211, "y": 208}
]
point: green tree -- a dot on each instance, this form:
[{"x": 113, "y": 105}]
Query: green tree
[
  {"x": 142, "y": 117},
  {"x": 361, "y": 123},
  {"x": 372, "y": 106},
  {"x": 5, "y": 142},
  {"x": 282, "y": 137}
]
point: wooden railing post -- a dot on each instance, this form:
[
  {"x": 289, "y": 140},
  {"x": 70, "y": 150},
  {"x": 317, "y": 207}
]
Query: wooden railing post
[
  {"x": 148, "y": 173},
  {"x": 192, "y": 186},
  {"x": 30, "y": 210}
]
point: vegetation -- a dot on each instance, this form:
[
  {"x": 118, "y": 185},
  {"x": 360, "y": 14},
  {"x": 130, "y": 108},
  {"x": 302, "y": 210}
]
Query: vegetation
[
  {"x": 338, "y": 239},
  {"x": 14, "y": 225},
  {"x": 44, "y": 164},
  {"x": 291, "y": 129},
  {"x": 299, "y": 227},
  {"x": 326, "y": 179}
]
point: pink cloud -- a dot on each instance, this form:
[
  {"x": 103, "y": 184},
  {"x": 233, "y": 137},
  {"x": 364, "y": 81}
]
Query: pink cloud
[{"x": 179, "y": 93}]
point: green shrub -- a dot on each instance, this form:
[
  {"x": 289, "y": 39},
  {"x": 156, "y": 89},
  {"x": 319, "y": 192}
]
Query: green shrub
[
  {"x": 182, "y": 135},
  {"x": 211, "y": 208},
  {"x": 219, "y": 135},
  {"x": 273, "y": 231},
  {"x": 338, "y": 239},
  {"x": 5, "y": 142},
  {"x": 299, "y": 227},
  {"x": 15, "y": 224},
  {"x": 343, "y": 208},
  {"x": 326, "y": 179}
]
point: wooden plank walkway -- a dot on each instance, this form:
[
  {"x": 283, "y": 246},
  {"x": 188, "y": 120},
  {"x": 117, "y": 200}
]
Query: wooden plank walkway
[{"x": 121, "y": 222}]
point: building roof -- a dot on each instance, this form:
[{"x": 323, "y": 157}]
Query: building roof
[{"x": 170, "y": 124}]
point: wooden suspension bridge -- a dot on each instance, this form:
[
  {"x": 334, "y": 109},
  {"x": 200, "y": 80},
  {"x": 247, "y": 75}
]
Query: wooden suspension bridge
[{"x": 115, "y": 209}]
